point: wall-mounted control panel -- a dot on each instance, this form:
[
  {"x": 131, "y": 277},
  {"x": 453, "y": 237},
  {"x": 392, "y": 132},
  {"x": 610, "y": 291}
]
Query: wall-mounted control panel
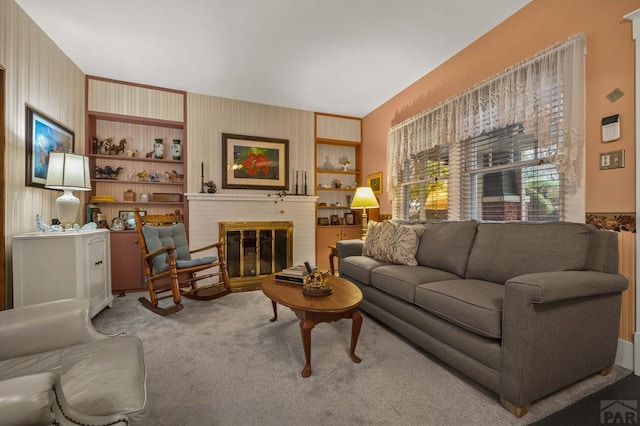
[
  {"x": 612, "y": 160},
  {"x": 611, "y": 128}
]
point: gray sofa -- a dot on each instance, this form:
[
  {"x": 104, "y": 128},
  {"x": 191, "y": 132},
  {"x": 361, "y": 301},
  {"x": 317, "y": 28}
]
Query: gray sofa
[
  {"x": 55, "y": 368},
  {"x": 522, "y": 308}
]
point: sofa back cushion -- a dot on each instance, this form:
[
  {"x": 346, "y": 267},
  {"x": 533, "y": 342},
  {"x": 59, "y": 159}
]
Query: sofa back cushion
[
  {"x": 502, "y": 251},
  {"x": 446, "y": 245},
  {"x": 603, "y": 251}
]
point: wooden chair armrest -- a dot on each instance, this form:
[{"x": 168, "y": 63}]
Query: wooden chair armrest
[
  {"x": 161, "y": 250},
  {"x": 210, "y": 246}
]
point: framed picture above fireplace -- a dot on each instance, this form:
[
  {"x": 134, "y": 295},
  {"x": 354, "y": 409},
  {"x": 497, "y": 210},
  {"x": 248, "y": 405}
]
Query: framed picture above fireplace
[{"x": 252, "y": 162}]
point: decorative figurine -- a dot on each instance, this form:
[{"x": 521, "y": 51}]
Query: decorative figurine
[
  {"x": 41, "y": 226},
  {"x": 107, "y": 172},
  {"x": 142, "y": 175},
  {"x": 116, "y": 149},
  {"x": 211, "y": 187},
  {"x": 154, "y": 177}
]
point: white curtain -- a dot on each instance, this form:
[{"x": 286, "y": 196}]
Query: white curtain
[{"x": 528, "y": 93}]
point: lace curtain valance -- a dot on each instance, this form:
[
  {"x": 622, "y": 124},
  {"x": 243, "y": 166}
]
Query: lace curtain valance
[{"x": 544, "y": 94}]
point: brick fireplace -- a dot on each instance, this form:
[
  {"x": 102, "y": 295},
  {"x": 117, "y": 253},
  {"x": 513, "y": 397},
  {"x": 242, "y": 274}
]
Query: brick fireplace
[{"x": 208, "y": 211}]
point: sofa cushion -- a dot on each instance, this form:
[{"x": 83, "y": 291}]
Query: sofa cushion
[
  {"x": 359, "y": 268},
  {"x": 397, "y": 242},
  {"x": 502, "y": 251},
  {"x": 473, "y": 304},
  {"x": 98, "y": 378},
  {"x": 401, "y": 280},
  {"x": 446, "y": 245}
]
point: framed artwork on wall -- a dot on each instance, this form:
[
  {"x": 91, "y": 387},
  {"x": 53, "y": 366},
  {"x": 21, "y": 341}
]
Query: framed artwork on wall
[
  {"x": 252, "y": 162},
  {"x": 129, "y": 219},
  {"x": 375, "y": 182},
  {"x": 43, "y": 136},
  {"x": 350, "y": 218}
]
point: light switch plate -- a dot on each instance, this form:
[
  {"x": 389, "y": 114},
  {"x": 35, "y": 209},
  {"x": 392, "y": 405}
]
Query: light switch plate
[{"x": 612, "y": 160}]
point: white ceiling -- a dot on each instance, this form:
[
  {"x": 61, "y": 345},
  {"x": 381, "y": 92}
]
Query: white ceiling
[{"x": 338, "y": 56}]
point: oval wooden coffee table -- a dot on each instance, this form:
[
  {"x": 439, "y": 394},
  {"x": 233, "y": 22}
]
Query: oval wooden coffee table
[{"x": 312, "y": 310}]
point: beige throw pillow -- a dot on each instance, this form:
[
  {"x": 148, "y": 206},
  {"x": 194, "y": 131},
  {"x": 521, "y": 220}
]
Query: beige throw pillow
[
  {"x": 372, "y": 241},
  {"x": 393, "y": 242}
]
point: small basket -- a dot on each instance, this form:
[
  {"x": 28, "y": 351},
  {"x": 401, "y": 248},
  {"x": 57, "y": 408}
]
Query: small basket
[{"x": 129, "y": 196}]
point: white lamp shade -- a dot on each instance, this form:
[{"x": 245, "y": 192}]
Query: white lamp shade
[
  {"x": 68, "y": 171},
  {"x": 364, "y": 199}
]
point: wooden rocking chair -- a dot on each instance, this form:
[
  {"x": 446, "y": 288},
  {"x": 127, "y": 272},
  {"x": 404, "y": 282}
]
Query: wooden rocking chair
[{"x": 169, "y": 267}]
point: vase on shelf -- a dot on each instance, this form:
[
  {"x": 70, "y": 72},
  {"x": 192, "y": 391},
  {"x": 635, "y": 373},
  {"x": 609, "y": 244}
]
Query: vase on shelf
[
  {"x": 158, "y": 149},
  {"x": 176, "y": 150},
  {"x": 327, "y": 164}
]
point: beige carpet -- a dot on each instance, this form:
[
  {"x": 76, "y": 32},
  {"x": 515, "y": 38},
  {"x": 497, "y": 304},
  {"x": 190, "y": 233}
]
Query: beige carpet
[{"x": 223, "y": 363}]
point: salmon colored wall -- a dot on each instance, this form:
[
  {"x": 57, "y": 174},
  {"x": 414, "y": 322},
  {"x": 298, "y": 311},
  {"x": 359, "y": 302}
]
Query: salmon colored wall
[{"x": 609, "y": 65}]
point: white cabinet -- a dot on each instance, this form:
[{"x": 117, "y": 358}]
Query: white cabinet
[{"x": 62, "y": 265}]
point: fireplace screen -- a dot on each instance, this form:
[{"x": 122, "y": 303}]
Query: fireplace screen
[{"x": 255, "y": 249}]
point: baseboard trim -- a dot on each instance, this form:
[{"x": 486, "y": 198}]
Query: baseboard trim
[{"x": 625, "y": 355}]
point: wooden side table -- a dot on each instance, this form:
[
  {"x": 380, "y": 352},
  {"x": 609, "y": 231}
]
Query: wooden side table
[{"x": 332, "y": 255}]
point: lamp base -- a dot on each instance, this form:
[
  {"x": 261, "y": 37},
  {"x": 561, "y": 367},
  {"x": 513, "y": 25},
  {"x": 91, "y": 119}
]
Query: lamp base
[
  {"x": 67, "y": 206},
  {"x": 364, "y": 224}
]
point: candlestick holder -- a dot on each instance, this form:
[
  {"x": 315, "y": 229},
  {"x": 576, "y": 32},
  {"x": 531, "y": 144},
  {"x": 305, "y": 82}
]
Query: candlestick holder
[{"x": 202, "y": 184}]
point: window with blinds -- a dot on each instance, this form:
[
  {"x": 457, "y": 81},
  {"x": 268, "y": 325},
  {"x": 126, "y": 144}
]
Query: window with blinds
[
  {"x": 506, "y": 176},
  {"x": 522, "y": 170},
  {"x": 503, "y": 175},
  {"x": 425, "y": 179}
]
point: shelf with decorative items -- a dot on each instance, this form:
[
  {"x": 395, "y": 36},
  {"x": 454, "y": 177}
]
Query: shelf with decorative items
[
  {"x": 338, "y": 156},
  {"x": 141, "y": 170}
]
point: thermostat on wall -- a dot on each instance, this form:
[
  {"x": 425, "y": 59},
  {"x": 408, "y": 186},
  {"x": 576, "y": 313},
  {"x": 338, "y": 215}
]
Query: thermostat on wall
[{"x": 611, "y": 128}]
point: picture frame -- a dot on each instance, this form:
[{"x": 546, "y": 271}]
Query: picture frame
[
  {"x": 43, "y": 136},
  {"x": 253, "y": 162},
  {"x": 335, "y": 220},
  {"x": 350, "y": 218},
  {"x": 129, "y": 218},
  {"x": 374, "y": 181}
]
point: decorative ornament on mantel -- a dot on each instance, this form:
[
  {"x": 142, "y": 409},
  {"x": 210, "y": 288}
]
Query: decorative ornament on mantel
[
  {"x": 280, "y": 195},
  {"x": 211, "y": 187}
]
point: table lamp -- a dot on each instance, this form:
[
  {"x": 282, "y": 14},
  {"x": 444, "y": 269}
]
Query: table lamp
[
  {"x": 364, "y": 199},
  {"x": 68, "y": 172}
]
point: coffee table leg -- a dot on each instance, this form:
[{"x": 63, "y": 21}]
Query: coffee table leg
[
  {"x": 305, "y": 328},
  {"x": 355, "y": 333},
  {"x": 275, "y": 311}
]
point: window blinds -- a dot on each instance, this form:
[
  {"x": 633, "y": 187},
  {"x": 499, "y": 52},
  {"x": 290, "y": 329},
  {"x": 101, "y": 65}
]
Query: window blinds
[{"x": 510, "y": 148}]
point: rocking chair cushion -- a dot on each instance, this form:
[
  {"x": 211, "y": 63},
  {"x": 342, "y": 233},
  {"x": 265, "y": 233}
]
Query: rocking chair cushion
[{"x": 156, "y": 237}]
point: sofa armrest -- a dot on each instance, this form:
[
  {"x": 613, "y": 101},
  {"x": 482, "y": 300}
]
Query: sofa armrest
[
  {"x": 348, "y": 248},
  {"x": 28, "y": 400},
  {"x": 37, "y": 399},
  {"x": 549, "y": 318},
  {"x": 45, "y": 327},
  {"x": 545, "y": 287}
]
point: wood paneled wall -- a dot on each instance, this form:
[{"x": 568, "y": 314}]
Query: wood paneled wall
[
  {"x": 209, "y": 116},
  {"x": 39, "y": 74},
  {"x": 626, "y": 267},
  {"x": 134, "y": 100}
]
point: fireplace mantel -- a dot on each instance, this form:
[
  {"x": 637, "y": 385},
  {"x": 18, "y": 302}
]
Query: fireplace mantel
[
  {"x": 198, "y": 196},
  {"x": 207, "y": 210}
]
